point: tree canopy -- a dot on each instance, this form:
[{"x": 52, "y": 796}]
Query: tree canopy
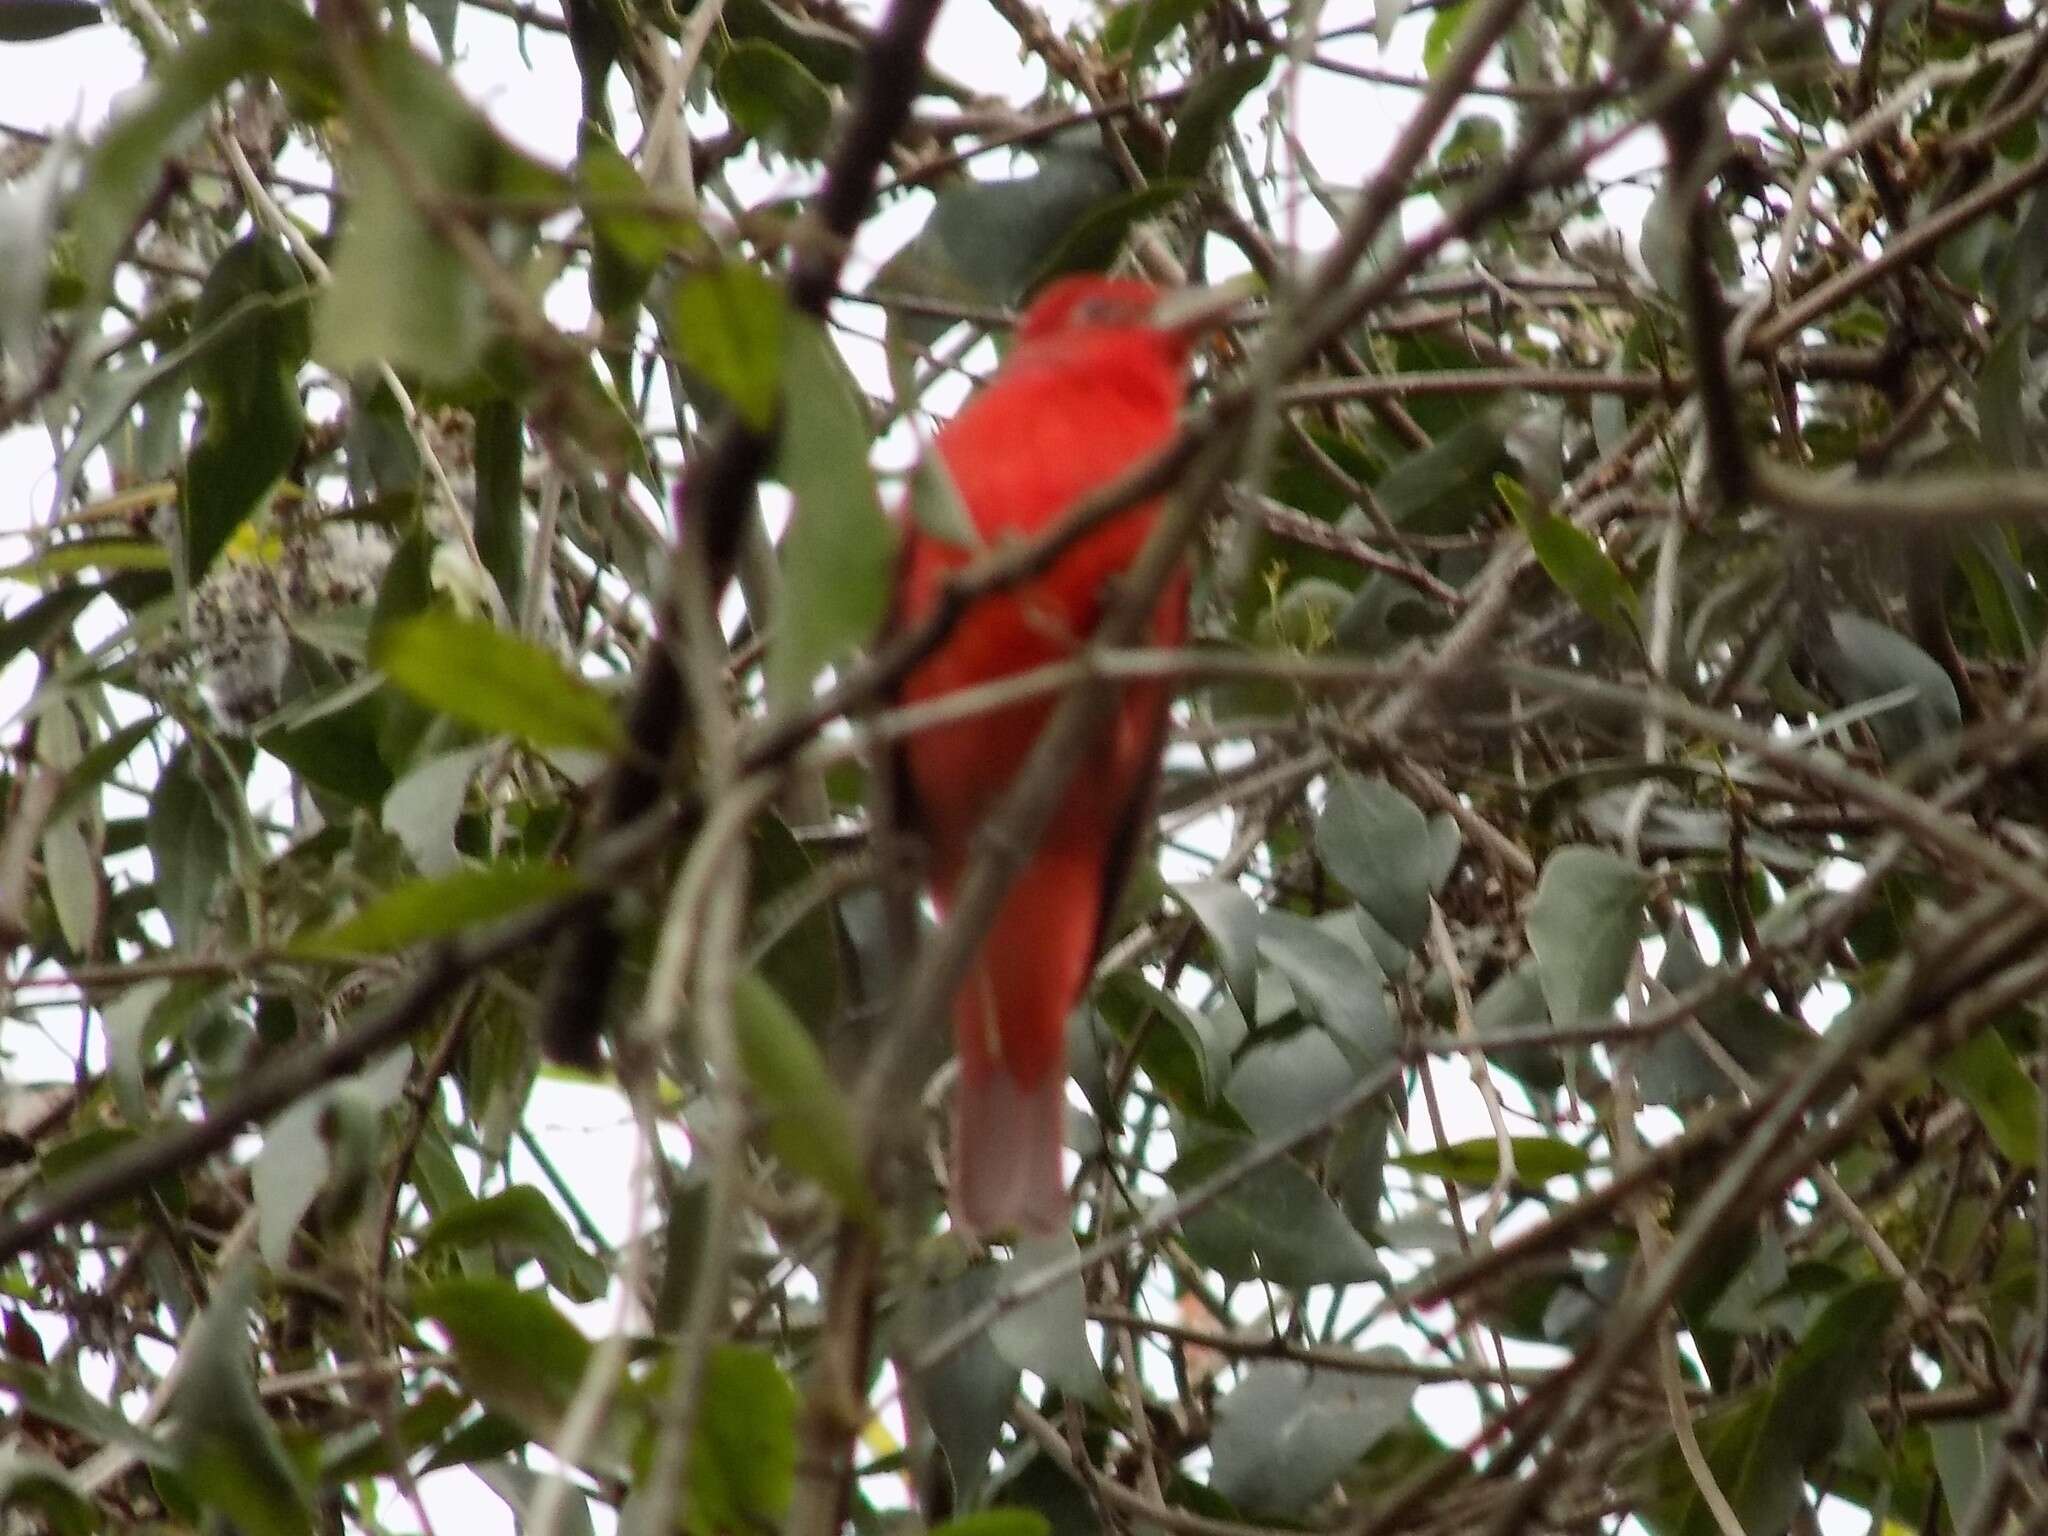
[{"x": 1572, "y": 1057}]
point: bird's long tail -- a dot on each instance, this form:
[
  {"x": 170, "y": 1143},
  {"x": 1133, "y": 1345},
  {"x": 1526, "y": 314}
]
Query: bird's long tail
[{"x": 1010, "y": 1022}]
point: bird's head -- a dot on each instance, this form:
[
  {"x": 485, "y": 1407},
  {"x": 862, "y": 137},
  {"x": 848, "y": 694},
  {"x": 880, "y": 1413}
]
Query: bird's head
[{"x": 1171, "y": 321}]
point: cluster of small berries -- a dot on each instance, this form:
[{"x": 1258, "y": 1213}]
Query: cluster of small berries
[{"x": 234, "y": 644}]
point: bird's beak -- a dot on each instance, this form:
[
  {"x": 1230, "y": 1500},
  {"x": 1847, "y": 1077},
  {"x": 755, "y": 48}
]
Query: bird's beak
[{"x": 1193, "y": 312}]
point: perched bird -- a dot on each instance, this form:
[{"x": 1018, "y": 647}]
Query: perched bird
[{"x": 1090, "y": 390}]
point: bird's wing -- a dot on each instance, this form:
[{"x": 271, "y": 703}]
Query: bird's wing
[{"x": 1136, "y": 818}]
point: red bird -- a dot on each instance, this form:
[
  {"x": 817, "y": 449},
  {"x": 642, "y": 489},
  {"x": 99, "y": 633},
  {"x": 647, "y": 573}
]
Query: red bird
[{"x": 1092, "y": 389}]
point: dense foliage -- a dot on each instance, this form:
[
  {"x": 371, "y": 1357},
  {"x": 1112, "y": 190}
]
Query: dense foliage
[{"x": 1576, "y": 1057}]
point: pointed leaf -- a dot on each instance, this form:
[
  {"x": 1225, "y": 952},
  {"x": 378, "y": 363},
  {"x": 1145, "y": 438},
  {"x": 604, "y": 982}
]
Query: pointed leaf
[
  {"x": 188, "y": 844},
  {"x": 495, "y": 681},
  {"x": 1584, "y": 925},
  {"x": 1048, "y": 1335},
  {"x": 1987, "y": 1076},
  {"x": 968, "y": 1394},
  {"x": 1338, "y": 986},
  {"x": 726, "y": 324},
  {"x": 1375, "y": 841},
  {"x": 518, "y": 1354},
  {"x": 401, "y": 293},
  {"x": 1274, "y": 1223},
  {"x": 1538, "y": 1159},
  {"x": 228, "y": 1447},
  {"x": 773, "y": 97},
  {"x": 1863, "y": 660},
  {"x": 1204, "y": 114},
  {"x": 1573, "y": 559},
  {"x": 743, "y": 1464},
  {"x": 257, "y": 299},
  {"x": 809, "y": 1123},
  {"x": 1285, "y": 1433},
  {"x": 1231, "y": 920},
  {"x": 839, "y": 555},
  {"x": 521, "y": 1220}
]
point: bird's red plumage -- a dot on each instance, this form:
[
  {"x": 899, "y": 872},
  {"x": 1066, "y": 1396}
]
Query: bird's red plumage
[{"x": 1089, "y": 392}]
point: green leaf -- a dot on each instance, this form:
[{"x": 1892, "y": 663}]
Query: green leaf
[
  {"x": 1987, "y": 1076},
  {"x": 423, "y": 1421},
  {"x": 93, "y": 769},
  {"x": 629, "y": 239},
  {"x": 1334, "y": 984},
  {"x": 1574, "y": 560},
  {"x": 33, "y": 1484},
  {"x": 1204, "y": 114},
  {"x": 1284, "y": 1433},
  {"x": 1274, "y": 1224},
  {"x": 743, "y": 1464},
  {"x": 70, "y": 843},
  {"x": 1515, "y": 1002},
  {"x": 228, "y": 1449},
  {"x": 1674, "y": 1070},
  {"x": 1048, "y": 1335},
  {"x": 519, "y": 1355},
  {"x": 1861, "y": 660},
  {"x": 495, "y": 681},
  {"x": 1436, "y": 489},
  {"x": 56, "y": 1394},
  {"x": 1283, "y": 1081},
  {"x": 500, "y": 528},
  {"x": 1583, "y": 926},
  {"x": 727, "y": 324},
  {"x": 285, "y": 1178},
  {"x": 329, "y": 739},
  {"x": 75, "y": 555},
  {"x": 419, "y": 910},
  {"x": 936, "y": 505},
  {"x": 2007, "y": 605},
  {"x": 809, "y": 1123},
  {"x": 328, "y": 1141},
  {"x": 1443, "y": 32},
  {"x": 401, "y": 293},
  {"x": 1140, "y": 27},
  {"x": 1760, "y": 1450},
  {"x": 1538, "y": 1160},
  {"x": 1231, "y": 920},
  {"x": 803, "y": 935},
  {"x": 252, "y": 424},
  {"x": 1094, "y": 242},
  {"x": 1375, "y": 841},
  {"x": 1126, "y": 999},
  {"x": 839, "y": 556},
  {"x": 521, "y": 1220},
  {"x": 422, "y": 808},
  {"x": 30, "y": 21},
  {"x": 42, "y": 620},
  {"x": 967, "y": 1395},
  {"x": 827, "y": 52},
  {"x": 188, "y": 844},
  {"x": 773, "y": 97},
  {"x": 1964, "y": 1451},
  {"x": 986, "y": 240}
]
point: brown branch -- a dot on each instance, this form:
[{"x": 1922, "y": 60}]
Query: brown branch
[
  {"x": 281, "y": 1082},
  {"x": 1902, "y": 247},
  {"x": 714, "y": 504}
]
